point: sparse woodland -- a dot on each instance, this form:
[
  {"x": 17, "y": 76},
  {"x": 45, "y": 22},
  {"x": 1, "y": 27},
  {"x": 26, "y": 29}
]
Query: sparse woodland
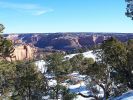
[{"x": 112, "y": 71}]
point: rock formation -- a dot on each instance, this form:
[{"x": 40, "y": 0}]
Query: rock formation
[
  {"x": 65, "y": 41},
  {"x": 22, "y": 52}
]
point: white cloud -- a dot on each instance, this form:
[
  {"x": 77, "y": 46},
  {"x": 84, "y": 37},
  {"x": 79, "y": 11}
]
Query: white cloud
[
  {"x": 33, "y": 9},
  {"x": 41, "y": 12}
]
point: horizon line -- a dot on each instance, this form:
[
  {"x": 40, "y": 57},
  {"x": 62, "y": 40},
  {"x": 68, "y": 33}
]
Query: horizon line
[{"x": 65, "y": 32}]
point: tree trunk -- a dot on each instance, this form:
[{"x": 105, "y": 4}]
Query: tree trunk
[
  {"x": 29, "y": 93},
  {"x": 96, "y": 98}
]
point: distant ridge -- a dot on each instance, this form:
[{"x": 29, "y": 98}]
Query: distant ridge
[
  {"x": 74, "y": 33},
  {"x": 66, "y": 41}
]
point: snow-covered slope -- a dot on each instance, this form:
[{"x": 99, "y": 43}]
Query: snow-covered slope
[
  {"x": 41, "y": 64},
  {"x": 82, "y": 98},
  {"x": 125, "y": 96},
  {"x": 80, "y": 84},
  {"x": 88, "y": 54}
]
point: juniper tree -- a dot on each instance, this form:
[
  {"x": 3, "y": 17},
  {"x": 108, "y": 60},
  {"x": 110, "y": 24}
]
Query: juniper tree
[{"x": 110, "y": 57}]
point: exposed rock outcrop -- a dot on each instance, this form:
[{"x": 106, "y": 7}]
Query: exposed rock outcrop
[
  {"x": 23, "y": 52},
  {"x": 66, "y": 41}
]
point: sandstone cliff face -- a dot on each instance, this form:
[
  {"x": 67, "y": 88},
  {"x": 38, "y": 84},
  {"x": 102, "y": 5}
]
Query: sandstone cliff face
[
  {"x": 65, "y": 41},
  {"x": 23, "y": 52}
]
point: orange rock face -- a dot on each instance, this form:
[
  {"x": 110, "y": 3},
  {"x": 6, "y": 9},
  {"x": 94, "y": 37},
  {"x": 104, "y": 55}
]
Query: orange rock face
[{"x": 23, "y": 52}]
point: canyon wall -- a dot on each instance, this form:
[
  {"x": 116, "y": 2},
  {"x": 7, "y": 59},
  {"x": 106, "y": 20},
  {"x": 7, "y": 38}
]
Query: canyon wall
[
  {"x": 22, "y": 52},
  {"x": 64, "y": 41}
]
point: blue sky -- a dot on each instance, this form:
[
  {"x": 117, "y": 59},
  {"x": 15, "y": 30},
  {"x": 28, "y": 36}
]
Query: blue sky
[{"x": 25, "y": 16}]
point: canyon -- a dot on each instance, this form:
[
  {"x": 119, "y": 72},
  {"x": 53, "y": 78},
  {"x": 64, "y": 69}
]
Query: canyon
[
  {"x": 26, "y": 45},
  {"x": 65, "y": 41}
]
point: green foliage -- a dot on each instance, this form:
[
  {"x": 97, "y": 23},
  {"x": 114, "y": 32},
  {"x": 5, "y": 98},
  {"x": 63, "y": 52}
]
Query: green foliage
[
  {"x": 119, "y": 57},
  {"x": 76, "y": 62},
  {"x": 54, "y": 61},
  {"x": 112, "y": 56},
  {"x": 129, "y": 12},
  {"x": 66, "y": 67},
  {"x": 57, "y": 65},
  {"x": 79, "y": 63},
  {"x": 127, "y": 70},
  {"x": 54, "y": 94},
  {"x": 6, "y": 46},
  {"x": 114, "y": 52},
  {"x": 29, "y": 82},
  {"x": 97, "y": 71},
  {"x": 88, "y": 61},
  {"x": 21, "y": 80},
  {"x": 7, "y": 76},
  {"x": 1, "y": 28},
  {"x": 85, "y": 64},
  {"x": 60, "y": 68},
  {"x": 66, "y": 95}
]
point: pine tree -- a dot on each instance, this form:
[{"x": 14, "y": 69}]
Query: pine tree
[
  {"x": 7, "y": 69},
  {"x": 60, "y": 68},
  {"x": 7, "y": 78},
  {"x": 110, "y": 57},
  {"x": 76, "y": 62},
  {"x": 29, "y": 82},
  {"x": 6, "y": 46}
]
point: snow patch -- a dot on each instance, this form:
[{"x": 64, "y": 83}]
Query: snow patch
[
  {"x": 41, "y": 64},
  {"x": 88, "y": 54},
  {"x": 125, "y": 96}
]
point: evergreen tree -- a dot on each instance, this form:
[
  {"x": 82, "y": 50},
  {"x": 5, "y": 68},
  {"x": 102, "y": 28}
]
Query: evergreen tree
[
  {"x": 86, "y": 63},
  {"x": 6, "y": 46},
  {"x": 30, "y": 83},
  {"x": 110, "y": 57},
  {"x": 129, "y": 12},
  {"x": 7, "y": 69},
  {"x": 76, "y": 62},
  {"x": 7, "y": 78},
  {"x": 125, "y": 71},
  {"x": 59, "y": 67}
]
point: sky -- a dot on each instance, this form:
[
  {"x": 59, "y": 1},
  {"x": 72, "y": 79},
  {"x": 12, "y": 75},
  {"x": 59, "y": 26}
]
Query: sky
[{"x": 44, "y": 16}]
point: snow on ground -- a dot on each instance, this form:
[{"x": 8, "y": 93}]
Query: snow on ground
[
  {"x": 125, "y": 96},
  {"x": 82, "y": 98},
  {"x": 46, "y": 97},
  {"x": 41, "y": 66},
  {"x": 80, "y": 85},
  {"x": 88, "y": 54},
  {"x": 49, "y": 76},
  {"x": 52, "y": 82}
]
